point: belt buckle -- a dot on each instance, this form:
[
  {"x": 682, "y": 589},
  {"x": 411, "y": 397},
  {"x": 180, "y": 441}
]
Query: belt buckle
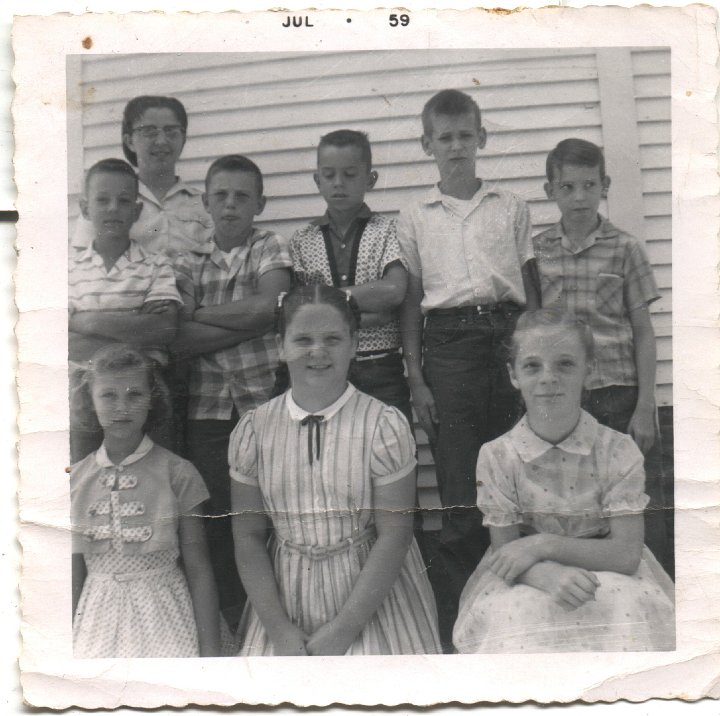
[{"x": 483, "y": 310}]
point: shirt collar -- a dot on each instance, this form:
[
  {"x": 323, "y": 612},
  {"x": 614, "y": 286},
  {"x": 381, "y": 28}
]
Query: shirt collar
[
  {"x": 145, "y": 446},
  {"x": 530, "y": 446},
  {"x": 363, "y": 212},
  {"x": 435, "y": 196},
  {"x": 179, "y": 187},
  {"x": 605, "y": 230},
  {"x": 298, "y": 413},
  {"x": 210, "y": 247},
  {"x": 133, "y": 253}
]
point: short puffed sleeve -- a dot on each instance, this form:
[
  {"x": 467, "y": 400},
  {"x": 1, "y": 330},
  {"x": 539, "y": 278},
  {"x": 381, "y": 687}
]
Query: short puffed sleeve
[
  {"x": 393, "y": 448},
  {"x": 625, "y": 479},
  {"x": 242, "y": 452},
  {"x": 188, "y": 486},
  {"x": 497, "y": 469}
]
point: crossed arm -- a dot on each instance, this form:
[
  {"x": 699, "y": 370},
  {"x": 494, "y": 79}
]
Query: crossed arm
[
  {"x": 378, "y": 300},
  {"x": 155, "y": 324},
  {"x": 213, "y": 328}
]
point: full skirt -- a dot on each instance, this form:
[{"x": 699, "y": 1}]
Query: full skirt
[
  {"x": 313, "y": 590},
  {"x": 630, "y": 613}
]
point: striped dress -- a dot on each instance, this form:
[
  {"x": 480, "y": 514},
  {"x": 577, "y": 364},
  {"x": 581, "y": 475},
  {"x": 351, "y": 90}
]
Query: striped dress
[{"x": 323, "y": 518}]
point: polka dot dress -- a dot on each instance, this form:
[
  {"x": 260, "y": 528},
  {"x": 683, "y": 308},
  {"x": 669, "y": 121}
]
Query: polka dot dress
[{"x": 134, "y": 606}]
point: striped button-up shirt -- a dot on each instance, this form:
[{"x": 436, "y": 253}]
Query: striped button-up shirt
[
  {"x": 243, "y": 375},
  {"x": 136, "y": 278},
  {"x": 601, "y": 281}
]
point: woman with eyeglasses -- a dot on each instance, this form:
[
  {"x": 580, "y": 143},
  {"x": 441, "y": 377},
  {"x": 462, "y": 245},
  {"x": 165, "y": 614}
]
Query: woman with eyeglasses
[{"x": 173, "y": 219}]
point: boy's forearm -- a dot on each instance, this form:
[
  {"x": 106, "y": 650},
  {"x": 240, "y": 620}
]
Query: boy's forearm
[
  {"x": 144, "y": 329},
  {"x": 382, "y": 295},
  {"x": 251, "y": 313},
  {"x": 411, "y": 329},
  {"x": 194, "y": 338},
  {"x": 645, "y": 361}
]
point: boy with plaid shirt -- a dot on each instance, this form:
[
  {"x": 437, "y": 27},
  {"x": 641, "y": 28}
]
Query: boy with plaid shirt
[
  {"x": 602, "y": 274},
  {"x": 229, "y": 288}
]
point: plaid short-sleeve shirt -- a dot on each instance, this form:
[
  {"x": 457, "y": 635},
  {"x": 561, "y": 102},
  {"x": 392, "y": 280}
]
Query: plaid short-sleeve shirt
[
  {"x": 377, "y": 248},
  {"x": 241, "y": 376},
  {"x": 601, "y": 281}
]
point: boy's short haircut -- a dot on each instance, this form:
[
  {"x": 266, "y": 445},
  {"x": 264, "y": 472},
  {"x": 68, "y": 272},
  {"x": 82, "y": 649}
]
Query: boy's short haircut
[
  {"x": 111, "y": 166},
  {"x": 451, "y": 103},
  {"x": 235, "y": 163},
  {"x": 135, "y": 109},
  {"x": 349, "y": 138},
  {"x": 576, "y": 152}
]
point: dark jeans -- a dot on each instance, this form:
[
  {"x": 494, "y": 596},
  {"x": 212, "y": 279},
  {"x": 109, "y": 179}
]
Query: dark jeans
[
  {"x": 464, "y": 361},
  {"x": 613, "y": 406},
  {"x": 207, "y": 445},
  {"x": 384, "y": 379}
]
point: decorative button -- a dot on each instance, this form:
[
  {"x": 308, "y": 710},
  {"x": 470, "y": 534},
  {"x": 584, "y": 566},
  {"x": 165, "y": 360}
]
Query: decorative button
[
  {"x": 342, "y": 246},
  {"x": 343, "y": 277}
]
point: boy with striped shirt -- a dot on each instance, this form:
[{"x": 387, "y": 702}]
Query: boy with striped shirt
[{"x": 117, "y": 291}]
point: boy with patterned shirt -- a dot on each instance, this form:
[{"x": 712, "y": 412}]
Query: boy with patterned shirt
[
  {"x": 602, "y": 274},
  {"x": 353, "y": 248},
  {"x": 471, "y": 268},
  {"x": 229, "y": 288}
]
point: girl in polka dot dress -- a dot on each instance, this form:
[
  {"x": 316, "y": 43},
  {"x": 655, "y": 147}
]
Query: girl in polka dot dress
[
  {"x": 135, "y": 510},
  {"x": 563, "y": 498}
]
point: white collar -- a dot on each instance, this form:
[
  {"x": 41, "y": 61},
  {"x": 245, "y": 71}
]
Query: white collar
[
  {"x": 530, "y": 446},
  {"x": 145, "y": 446},
  {"x": 298, "y": 413}
]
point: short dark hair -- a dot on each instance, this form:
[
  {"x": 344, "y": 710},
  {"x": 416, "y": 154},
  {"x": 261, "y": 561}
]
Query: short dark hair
[
  {"x": 551, "y": 317},
  {"x": 452, "y": 103},
  {"x": 317, "y": 294},
  {"x": 578, "y": 153},
  {"x": 135, "y": 109},
  {"x": 349, "y": 138},
  {"x": 111, "y": 166},
  {"x": 235, "y": 163},
  {"x": 116, "y": 357}
]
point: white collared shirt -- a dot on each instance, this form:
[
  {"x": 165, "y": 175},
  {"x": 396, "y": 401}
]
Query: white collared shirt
[{"x": 467, "y": 252}]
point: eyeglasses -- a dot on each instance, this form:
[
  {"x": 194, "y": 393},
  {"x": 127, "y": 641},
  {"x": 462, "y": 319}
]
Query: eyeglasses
[{"x": 150, "y": 131}]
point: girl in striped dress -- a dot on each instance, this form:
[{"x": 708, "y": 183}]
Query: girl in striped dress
[{"x": 332, "y": 472}]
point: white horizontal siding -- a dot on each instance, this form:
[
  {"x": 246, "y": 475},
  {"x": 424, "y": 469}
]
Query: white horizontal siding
[{"x": 274, "y": 107}]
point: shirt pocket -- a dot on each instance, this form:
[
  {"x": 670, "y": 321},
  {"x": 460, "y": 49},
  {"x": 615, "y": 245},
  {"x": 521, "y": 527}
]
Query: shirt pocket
[{"x": 609, "y": 294}]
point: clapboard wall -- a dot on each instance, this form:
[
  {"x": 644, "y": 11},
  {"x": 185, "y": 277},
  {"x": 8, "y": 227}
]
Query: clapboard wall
[{"x": 274, "y": 107}]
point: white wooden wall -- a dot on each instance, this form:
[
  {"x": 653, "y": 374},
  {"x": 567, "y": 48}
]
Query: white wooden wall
[{"x": 274, "y": 107}]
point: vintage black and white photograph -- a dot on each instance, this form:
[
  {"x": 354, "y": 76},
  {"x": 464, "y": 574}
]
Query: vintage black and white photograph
[{"x": 370, "y": 352}]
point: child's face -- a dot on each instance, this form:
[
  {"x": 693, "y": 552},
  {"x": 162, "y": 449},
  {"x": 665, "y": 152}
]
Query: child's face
[
  {"x": 550, "y": 371},
  {"x": 454, "y": 142},
  {"x": 343, "y": 178},
  {"x": 578, "y": 192},
  {"x": 111, "y": 205},
  {"x": 318, "y": 348},
  {"x": 233, "y": 202},
  {"x": 122, "y": 402},
  {"x": 157, "y": 154}
]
